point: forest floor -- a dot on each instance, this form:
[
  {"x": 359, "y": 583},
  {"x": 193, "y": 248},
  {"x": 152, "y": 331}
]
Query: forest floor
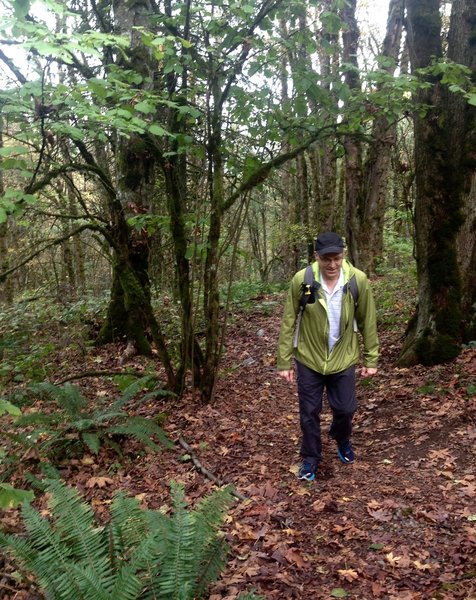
[{"x": 400, "y": 523}]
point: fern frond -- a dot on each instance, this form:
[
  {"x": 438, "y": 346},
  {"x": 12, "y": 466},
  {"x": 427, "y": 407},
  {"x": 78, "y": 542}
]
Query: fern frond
[
  {"x": 141, "y": 570},
  {"x": 75, "y": 520},
  {"x": 177, "y": 569},
  {"x": 128, "y": 586},
  {"x": 128, "y": 523},
  {"x": 38, "y": 418},
  {"x": 42, "y": 554},
  {"x": 92, "y": 587},
  {"x": 68, "y": 396},
  {"x": 92, "y": 441},
  {"x": 132, "y": 390},
  {"x": 18, "y": 548},
  {"x": 210, "y": 549},
  {"x": 212, "y": 562},
  {"x": 142, "y": 429},
  {"x": 57, "y": 583},
  {"x": 43, "y": 537}
]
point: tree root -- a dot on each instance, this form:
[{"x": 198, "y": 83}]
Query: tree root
[{"x": 208, "y": 474}]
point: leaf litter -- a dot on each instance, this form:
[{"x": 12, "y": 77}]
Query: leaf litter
[{"x": 400, "y": 523}]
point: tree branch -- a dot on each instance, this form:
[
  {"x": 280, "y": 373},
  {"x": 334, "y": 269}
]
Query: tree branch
[
  {"x": 18, "y": 74},
  {"x": 260, "y": 174},
  {"x": 86, "y": 374},
  {"x": 56, "y": 242},
  {"x": 208, "y": 474}
]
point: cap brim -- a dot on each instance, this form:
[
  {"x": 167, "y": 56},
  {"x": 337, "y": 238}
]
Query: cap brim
[{"x": 331, "y": 250}]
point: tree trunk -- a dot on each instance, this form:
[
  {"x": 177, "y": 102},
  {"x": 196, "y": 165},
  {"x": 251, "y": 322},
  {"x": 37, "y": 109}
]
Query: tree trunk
[
  {"x": 367, "y": 172},
  {"x": 443, "y": 176},
  {"x": 462, "y": 50},
  {"x": 130, "y": 315}
]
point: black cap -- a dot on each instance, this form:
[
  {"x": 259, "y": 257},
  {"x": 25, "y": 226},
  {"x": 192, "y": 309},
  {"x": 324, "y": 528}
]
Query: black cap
[{"x": 329, "y": 243}]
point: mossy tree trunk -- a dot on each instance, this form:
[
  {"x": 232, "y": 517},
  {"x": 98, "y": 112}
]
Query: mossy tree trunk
[
  {"x": 444, "y": 170},
  {"x": 462, "y": 50},
  {"x": 130, "y": 315}
]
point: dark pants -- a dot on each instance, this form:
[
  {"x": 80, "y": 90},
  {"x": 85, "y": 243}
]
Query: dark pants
[{"x": 340, "y": 389}]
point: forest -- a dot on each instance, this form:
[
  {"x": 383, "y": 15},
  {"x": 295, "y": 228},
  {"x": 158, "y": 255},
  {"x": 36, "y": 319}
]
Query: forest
[{"x": 165, "y": 169}]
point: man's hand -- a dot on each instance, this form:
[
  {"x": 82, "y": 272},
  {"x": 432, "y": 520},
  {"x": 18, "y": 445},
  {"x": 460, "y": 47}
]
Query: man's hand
[
  {"x": 368, "y": 371},
  {"x": 288, "y": 375}
]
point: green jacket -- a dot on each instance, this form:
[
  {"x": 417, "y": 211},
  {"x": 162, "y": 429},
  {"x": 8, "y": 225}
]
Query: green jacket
[{"x": 313, "y": 348}]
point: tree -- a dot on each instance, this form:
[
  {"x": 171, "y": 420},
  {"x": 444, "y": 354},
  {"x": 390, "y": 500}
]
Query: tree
[
  {"x": 445, "y": 171},
  {"x": 367, "y": 161}
]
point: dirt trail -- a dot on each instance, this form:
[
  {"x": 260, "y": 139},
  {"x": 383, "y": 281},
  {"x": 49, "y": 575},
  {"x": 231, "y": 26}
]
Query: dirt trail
[{"x": 400, "y": 523}]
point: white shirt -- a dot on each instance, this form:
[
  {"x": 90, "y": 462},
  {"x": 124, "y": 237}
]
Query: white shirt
[{"x": 334, "y": 308}]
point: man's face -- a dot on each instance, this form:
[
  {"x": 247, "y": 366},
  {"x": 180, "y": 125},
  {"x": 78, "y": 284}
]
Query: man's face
[{"x": 330, "y": 264}]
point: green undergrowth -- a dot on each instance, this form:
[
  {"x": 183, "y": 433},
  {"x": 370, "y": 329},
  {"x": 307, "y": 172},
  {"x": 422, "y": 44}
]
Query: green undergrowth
[
  {"x": 395, "y": 294},
  {"x": 138, "y": 555}
]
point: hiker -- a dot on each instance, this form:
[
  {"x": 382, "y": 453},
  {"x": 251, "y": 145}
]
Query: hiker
[{"x": 327, "y": 303}]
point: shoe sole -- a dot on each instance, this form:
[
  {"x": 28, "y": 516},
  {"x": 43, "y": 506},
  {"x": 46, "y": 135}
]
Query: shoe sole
[{"x": 307, "y": 477}]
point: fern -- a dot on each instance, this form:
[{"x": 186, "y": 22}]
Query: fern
[
  {"x": 139, "y": 555},
  {"x": 71, "y": 425}
]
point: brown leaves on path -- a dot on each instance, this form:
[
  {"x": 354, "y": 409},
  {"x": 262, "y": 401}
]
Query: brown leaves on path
[{"x": 398, "y": 524}]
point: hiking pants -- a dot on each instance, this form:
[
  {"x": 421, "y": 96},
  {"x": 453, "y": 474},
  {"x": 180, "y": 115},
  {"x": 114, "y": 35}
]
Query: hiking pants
[{"x": 340, "y": 389}]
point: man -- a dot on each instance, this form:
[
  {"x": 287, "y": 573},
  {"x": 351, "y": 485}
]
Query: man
[{"x": 326, "y": 348}]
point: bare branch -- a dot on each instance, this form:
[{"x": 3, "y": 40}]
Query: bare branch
[
  {"x": 208, "y": 474},
  {"x": 260, "y": 174},
  {"x": 56, "y": 242},
  {"x": 13, "y": 68}
]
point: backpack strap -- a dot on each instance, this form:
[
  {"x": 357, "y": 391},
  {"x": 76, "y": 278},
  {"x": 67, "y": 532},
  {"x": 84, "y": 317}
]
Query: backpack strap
[
  {"x": 309, "y": 287},
  {"x": 351, "y": 286}
]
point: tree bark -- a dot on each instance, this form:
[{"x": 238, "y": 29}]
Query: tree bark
[
  {"x": 462, "y": 50},
  {"x": 443, "y": 175}
]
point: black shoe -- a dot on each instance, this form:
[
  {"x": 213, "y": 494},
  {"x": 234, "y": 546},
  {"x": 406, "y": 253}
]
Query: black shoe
[
  {"x": 345, "y": 453},
  {"x": 307, "y": 471}
]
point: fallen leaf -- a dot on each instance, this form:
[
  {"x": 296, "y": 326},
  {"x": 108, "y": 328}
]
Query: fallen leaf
[
  {"x": 99, "y": 482},
  {"x": 348, "y": 574},
  {"x": 295, "y": 558},
  {"x": 422, "y": 566},
  {"x": 393, "y": 560}
]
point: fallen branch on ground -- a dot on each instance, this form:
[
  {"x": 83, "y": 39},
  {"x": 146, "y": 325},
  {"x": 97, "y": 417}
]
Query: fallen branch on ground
[
  {"x": 86, "y": 374},
  {"x": 206, "y": 472}
]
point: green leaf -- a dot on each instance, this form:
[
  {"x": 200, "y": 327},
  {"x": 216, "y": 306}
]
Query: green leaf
[
  {"x": 339, "y": 593},
  {"x": 145, "y": 107},
  {"x": 3, "y": 215},
  {"x": 376, "y": 547},
  {"x": 21, "y": 8},
  {"x": 8, "y": 407},
  {"x": 155, "y": 129},
  {"x": 331, "y": 22},
  {"x": 471, "y": 99},
  {"x": 7, "y": 150},
  {"x": 11, "y": 497}
]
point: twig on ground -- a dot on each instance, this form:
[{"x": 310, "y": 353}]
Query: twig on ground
[
  {"x": 206, "y": 472},
  {"x": 86, "y": 374}
]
